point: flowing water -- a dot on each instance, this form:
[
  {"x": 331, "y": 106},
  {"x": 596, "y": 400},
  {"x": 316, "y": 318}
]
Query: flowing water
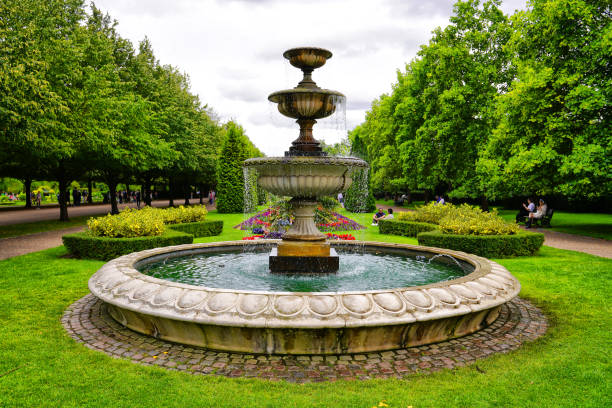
[{"x": 249, "y": 271}]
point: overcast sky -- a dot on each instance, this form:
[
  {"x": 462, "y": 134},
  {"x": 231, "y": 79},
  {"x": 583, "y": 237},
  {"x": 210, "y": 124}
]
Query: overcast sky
[{"x": 232, "y": 51}]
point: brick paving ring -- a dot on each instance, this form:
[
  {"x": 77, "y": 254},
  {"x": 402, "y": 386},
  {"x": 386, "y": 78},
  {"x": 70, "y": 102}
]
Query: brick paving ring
[{"x": 87, "y": 321}]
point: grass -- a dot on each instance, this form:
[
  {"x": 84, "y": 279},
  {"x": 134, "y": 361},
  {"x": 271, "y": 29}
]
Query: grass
[
  {"x": 7, "y": 231},
  {"x": 589, "y": 224},
  {"x": 42, "y": 366}
]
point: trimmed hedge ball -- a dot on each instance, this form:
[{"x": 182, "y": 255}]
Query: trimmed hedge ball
[{"x": 489, "y": 246}]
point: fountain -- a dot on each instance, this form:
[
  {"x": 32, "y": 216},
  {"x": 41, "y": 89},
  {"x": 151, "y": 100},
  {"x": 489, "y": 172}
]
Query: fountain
[
  {"x": 305, "y": 172},
  {"x": 379, "y": 298}
]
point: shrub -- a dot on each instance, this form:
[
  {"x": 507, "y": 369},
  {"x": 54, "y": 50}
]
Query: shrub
[
  {"x": 181, "y": 215},
  {"x": 463, "y": 220},
  {"x": 431, "y": 213},
  {"x": 84, "y": 245},
  {"x": 230, "y": 189},
  {"x": 128, "y": 224},
  {"x": 359, "y": 198},
  {"x": 200, "y": 229},
  {"x": 468, "y": 220},
  {"x": 327, "y": 202},
  {"x": 489, "y": 246},
  {"x": 404, "y": 228}
]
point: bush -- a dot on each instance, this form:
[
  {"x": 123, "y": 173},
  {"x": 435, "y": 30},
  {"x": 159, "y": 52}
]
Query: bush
[
  {"x": 359, "y": 198},
  {"x": 230, "y": 189},
  {"x": 489, "y": 246},
  {"x": 128, "y": 224},
  {"x": 83, "y": 245},
  {"x": 327, "y": 202},
  {"x": 431, "y": 213},
  {"x": 468, "y": 220},
  {"x": 404, "y": 228},
  {"x": 181, "y": 215},
  {"x": 200, "y": 229},
  {"x": 462, "y": 220}
]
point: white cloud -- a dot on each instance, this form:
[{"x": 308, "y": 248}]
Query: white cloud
[{"x": 232, "y": 50}]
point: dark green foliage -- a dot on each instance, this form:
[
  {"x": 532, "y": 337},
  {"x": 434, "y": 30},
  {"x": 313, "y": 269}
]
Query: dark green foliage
[
  {"x": 199, "y": 229},
  {"x": 404, "y": 228},
  {"x": 489, "y": 246},
  {"x": 83, "y": 245},
  {"x": 230, "y": 190},
  {"x": 359, "y": 198}
]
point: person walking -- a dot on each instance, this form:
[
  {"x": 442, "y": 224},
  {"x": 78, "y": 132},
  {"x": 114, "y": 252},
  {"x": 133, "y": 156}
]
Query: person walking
[
  {"x": 137, "y": 194},
  {"x": 38, "y": 199}
]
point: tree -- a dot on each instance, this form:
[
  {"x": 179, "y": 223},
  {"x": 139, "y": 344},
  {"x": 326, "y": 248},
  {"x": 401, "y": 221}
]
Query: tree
[
  {"x": 555, "y": 130},
  {"x": 230, "y": 188}
]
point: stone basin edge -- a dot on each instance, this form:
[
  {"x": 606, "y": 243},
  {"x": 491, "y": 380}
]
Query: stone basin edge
[{"x": 119, "y": 283}]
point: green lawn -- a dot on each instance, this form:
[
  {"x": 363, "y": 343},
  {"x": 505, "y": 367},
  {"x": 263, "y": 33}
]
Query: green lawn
[
  {"x": 569, "y": 367},
  {"x": 589, "y": 224}
]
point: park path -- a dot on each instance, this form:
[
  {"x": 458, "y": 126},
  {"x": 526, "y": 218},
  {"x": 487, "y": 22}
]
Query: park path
[
  {"x": 24, "y": 244},
  {"x": 23, "y": 216}
]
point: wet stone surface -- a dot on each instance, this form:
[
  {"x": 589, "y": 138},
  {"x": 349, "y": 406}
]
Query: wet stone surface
[{"x": 87, "y": 322}]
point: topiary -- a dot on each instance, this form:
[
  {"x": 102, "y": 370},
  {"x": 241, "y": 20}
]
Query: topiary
[
  {"x": 359, "y": 198},
  {"x": 230, "y": 189}
]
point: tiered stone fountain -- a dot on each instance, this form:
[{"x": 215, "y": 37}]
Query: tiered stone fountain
[
  {"x": 306, "y": 172},
  {"x": 226, "y": 315}
]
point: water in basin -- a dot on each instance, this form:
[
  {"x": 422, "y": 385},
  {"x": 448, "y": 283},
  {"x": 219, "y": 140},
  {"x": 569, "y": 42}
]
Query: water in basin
[{"x": 249, "y": 271}]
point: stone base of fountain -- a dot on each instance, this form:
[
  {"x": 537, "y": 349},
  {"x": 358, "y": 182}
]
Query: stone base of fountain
[{"x": 304, "y": 264}]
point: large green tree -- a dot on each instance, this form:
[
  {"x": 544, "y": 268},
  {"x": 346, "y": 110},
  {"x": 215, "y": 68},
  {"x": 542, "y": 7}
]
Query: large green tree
[{"x": 555, "y": 130}]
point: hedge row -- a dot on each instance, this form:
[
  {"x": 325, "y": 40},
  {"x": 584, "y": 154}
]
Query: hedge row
[
  {"x": 199, "y": 229},
  {"x": 405, "y": 228},
  {"x": 83, "y": 245},
  {"x": 489, "y": 246}
]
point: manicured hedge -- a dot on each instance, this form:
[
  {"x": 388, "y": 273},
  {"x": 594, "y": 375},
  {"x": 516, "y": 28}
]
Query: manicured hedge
[
  {"x": 83, "y": 245},
  {"x": 488, "y": 246},
  {"x": 405, "y": 228},
  {"x": 199, "y": 229}
]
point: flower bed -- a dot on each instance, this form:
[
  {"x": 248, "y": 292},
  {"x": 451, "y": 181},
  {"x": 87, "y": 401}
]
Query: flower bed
[{"x": 273, "y": 222}]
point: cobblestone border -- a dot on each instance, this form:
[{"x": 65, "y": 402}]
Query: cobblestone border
[{"x": 87, "y": 322}]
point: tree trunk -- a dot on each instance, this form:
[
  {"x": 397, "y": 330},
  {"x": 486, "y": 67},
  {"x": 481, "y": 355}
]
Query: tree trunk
[
  {"x": 127, "y": 192},
  {"x": 171, "y": 192},
  {"x": 187, "y": 193},
  {"x": 112, "y": 191},
  {"x": 147, "y": 192},
  {"x": 27, "y": 183},
  {"x": 89, "y": 191},
  {"x": 201, "y": 194},
  {"x": 408, "y": 199},
  {"x": 427, "y": 196},
  {"x": 63, "y": 195},
  {"x": 484, "y": 204}
]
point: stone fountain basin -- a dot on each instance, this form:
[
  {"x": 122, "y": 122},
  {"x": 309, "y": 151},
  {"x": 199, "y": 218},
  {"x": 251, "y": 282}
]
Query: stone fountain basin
[
  {"x": 303, "y": 176},
  {"x": 307, "y": 103},
  {"x": 299, "y": 322}
]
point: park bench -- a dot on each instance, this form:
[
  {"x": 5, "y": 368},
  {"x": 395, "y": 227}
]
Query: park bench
[{"x": 545, "y": 220}]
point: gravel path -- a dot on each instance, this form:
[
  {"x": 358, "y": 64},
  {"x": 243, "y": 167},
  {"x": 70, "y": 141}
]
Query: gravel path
[{"x": 10, "y": 247}]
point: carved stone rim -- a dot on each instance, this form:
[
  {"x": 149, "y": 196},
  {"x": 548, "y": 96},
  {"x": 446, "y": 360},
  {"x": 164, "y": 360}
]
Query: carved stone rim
[
  {"x": 307, "y": 160},
  {"x": 119, "y": 283}
]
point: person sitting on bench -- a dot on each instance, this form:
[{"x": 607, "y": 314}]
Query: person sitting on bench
[
  {"x": 540, "y": 212},
  {"x": 525, "y": 211}
]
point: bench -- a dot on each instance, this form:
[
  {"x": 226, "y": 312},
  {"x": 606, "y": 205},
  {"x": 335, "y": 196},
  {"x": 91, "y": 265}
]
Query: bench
[{"x": 545, "y": 220}]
